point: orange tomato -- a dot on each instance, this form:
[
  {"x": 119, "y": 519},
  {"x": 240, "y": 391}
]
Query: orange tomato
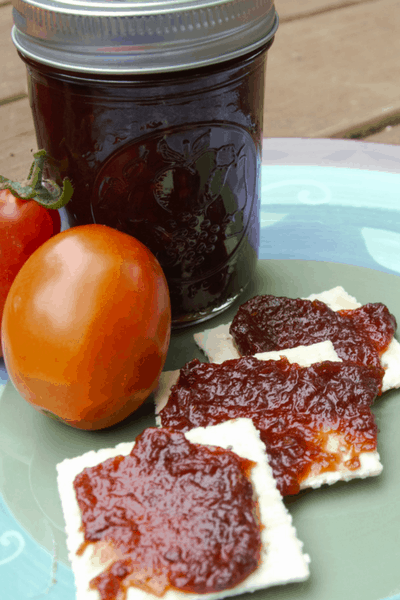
[{"x": 86, "y": 326}]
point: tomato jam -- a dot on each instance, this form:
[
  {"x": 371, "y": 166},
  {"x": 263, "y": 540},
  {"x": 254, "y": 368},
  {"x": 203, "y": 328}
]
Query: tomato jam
[
  {"x": 267, "y": 323},
  {"x": 295, "y": 408},
  {"x": 176, "y": 514},
  {"x": 172, "y": 159}
]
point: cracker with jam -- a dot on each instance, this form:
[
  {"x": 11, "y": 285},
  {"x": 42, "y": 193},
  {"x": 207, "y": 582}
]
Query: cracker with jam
[
  {"x": 313, "y": 410},
  {"x": 332, "y": 356},
  {"x": 178, "y": 516},
  {"x": 363, "y": 334}
]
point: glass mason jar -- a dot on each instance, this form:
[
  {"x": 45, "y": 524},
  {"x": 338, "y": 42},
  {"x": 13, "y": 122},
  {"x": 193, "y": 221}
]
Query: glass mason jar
[{"x": 161, "y": 139}]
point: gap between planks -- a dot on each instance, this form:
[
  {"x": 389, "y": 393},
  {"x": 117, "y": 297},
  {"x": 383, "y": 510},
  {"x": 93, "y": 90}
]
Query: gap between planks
[
  {"x": 14, "y": 98},
  {"x": 371, "y": 127}
]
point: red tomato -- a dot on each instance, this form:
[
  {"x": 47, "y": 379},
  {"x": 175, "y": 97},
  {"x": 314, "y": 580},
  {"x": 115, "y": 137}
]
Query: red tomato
[
  {"x": 24, "y": 226},
  {"x": 86, "y": 326}
]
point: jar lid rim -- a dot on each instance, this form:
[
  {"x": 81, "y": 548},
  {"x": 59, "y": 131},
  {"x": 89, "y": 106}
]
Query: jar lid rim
[{"x": 133, "y": 36}]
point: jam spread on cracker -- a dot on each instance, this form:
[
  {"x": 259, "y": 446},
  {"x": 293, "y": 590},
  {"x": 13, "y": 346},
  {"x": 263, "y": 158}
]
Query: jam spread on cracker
[
  {"x": 267, "y": 323},
  {"x": 299, "y": 411},
  {"x": 173, "y": 514}
]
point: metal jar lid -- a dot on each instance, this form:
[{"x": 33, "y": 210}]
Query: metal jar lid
[{"x": 140, "y": 36}]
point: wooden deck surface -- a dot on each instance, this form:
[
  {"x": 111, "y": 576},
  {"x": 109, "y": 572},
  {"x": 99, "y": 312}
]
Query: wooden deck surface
[{"x": 333, "y": 72}]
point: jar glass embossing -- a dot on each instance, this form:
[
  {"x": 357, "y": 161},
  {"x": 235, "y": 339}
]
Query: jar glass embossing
[{"x": 162, "y": 139}]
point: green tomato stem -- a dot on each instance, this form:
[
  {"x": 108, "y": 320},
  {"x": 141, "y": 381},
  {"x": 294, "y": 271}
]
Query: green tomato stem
[{"x": 45, "y": 192}]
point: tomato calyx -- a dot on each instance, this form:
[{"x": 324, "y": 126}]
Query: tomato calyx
[{"x": 45, "y": 192}]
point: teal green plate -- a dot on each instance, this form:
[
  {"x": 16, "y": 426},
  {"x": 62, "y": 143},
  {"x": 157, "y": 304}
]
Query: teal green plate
[
  {"x": 331, "y": 204},
  {"x": 351, "y": 531}
]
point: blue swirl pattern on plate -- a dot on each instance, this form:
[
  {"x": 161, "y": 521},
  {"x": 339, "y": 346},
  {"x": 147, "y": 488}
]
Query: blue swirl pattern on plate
[
  {"x": 349, "y": 216},
  {"x": 28, "y": 571}
]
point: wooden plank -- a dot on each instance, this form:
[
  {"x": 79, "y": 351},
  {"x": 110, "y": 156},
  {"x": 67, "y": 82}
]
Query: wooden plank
[
  {"x": 327, "y": 74},
  {"x": 12, "y": 69},
  {"x": 290, "y": 10},
  {"x": 18, "y": 139},
  {"x": 332, "y": 72}
]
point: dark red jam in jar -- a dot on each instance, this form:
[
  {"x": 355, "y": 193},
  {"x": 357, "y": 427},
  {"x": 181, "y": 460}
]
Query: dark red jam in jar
[{"x": 161, "y": 135}]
